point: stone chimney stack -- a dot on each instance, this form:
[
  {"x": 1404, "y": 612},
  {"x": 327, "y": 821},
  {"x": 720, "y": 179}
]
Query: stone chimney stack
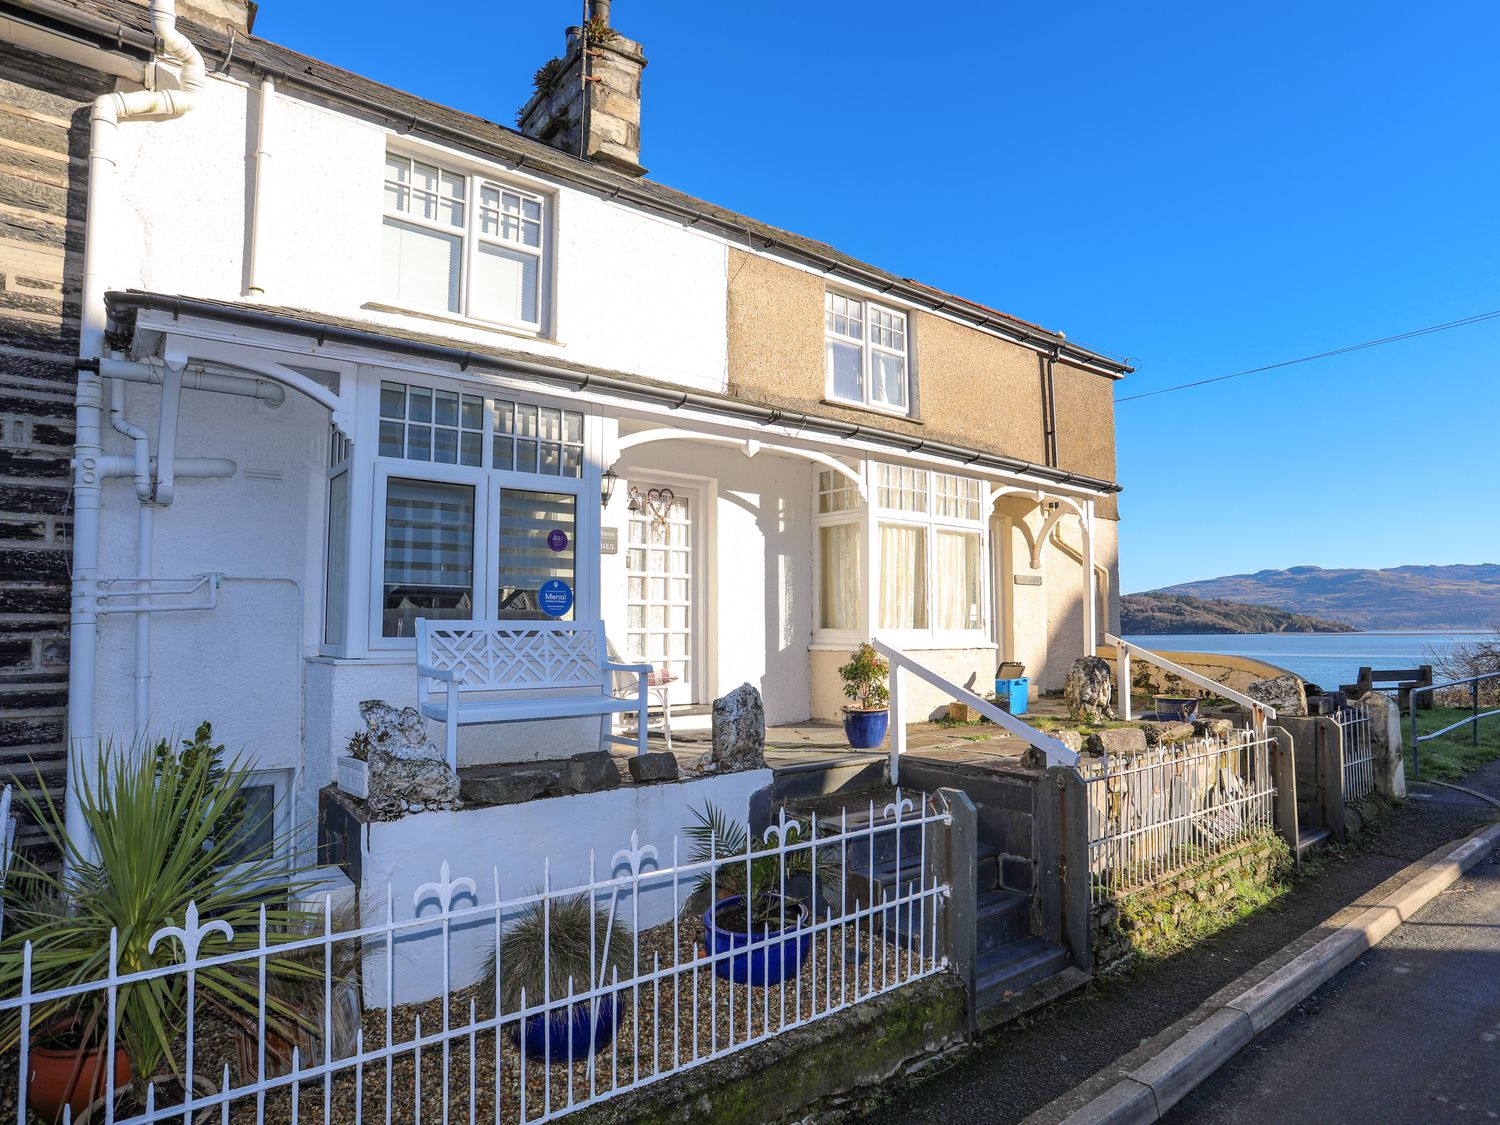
[
  {"x": 221, "y": 15},
  {"x": 588, "y": 102}
]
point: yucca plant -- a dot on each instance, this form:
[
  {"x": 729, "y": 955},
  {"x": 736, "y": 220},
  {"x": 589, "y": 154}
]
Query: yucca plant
[
  {"x": 161, "y": 823},
  {"x": 716, "y": 835}
]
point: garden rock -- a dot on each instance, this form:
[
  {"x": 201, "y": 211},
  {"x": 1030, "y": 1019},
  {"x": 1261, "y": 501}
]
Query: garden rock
[
  {"x": 1034, "y": 759},
  {"x": 1285, "y": 693},
  {"x": 1218, "y": 729},
  {"x": 590, "y": 772},
  {"x": 1088, "y": 690},
  {"x": 408, "y": 773},
  {"x": 739, "y": 733},
  {"x": 1166, "y": 733},
  {"x": 1117, "y": 741},
  {"x": 658, "y": 765},
  {"x": 510, "y": 787}
]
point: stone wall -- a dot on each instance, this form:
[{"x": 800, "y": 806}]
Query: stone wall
[
  {"x": 43, "y": 185},
  {"x": 1155, "y": 918}
]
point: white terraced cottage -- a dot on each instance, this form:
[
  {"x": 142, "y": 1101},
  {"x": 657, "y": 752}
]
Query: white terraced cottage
[{"x": 349, "y": 359}]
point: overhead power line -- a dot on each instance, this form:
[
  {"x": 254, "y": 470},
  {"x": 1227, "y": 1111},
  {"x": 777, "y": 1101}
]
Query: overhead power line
[{"x": 1431, "y": 328}]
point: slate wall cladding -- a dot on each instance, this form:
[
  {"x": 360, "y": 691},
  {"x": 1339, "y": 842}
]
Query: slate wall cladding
[{"x": 44, "y": 107}]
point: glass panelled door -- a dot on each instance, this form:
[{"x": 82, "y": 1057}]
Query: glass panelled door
[{"x": 660, "y": 587}]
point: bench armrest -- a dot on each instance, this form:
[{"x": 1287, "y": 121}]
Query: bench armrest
[
  {"x": 448, "y": 675},
  {"x": 611, "y": 666}
]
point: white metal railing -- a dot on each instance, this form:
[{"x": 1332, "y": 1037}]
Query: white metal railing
[
  {"x": 1153, "y": 814},
  {"x": 1471, "y": 720},
  {"x": 1057, "y": 753},
  {"x": 1124, "y": 651},
  {"x": 683, "y": 995},
  {"x": 1359, "y": 751}
]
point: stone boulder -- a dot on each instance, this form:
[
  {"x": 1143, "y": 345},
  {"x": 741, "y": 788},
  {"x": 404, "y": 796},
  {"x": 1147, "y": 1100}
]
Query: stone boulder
[
  {"x": 1118, "y": 741},
  {"x": 1088, "y": 690},
  {"x": 1217, "y": 729},
  {"x": 1168, "y": 732},
  {"x": 408, "y": 773},
  {"x": 657, "y": 765},
  {"x": 739, "y": 733},
  {"x": 590, "y": 772},
  {"x": 1285, "y": 693},
  {"x": 1034, "y": 759}
]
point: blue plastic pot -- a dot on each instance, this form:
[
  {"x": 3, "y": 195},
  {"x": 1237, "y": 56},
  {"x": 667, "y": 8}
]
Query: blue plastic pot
[
  {"x": 865, "y": 730},
  {"x": 768, "y": 958},
  {"x": 1182, "y": 708},
  {"x": 563, "y": 1031}
]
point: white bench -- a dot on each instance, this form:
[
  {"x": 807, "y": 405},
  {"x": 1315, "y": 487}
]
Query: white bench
[{"x": 501, "y": 671}]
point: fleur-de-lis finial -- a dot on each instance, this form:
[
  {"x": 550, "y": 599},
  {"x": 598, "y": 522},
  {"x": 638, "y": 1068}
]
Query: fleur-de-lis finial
[
  {"x": 191, "y": 934},
  {"x": 634, "y": 856},
  {"x": 896, "y": 808},
  {"x": 778, "y": 832},
  {"x": 444, "y": 890}
]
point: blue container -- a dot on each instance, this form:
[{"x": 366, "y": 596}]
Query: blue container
[
  {"x": 865, "y": 730},
  {"x": 769, "y": 958},
  {"x": 563, "y": 1030},
  {"x": 1014, "y": 694}
]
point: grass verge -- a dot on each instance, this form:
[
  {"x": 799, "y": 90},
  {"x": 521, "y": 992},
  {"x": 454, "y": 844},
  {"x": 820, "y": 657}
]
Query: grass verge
[{"x": 1454, "y": 754}]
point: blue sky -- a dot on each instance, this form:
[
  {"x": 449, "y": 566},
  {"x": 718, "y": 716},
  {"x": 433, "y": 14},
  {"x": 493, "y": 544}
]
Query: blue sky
[{"x": 1201, "y": 187}]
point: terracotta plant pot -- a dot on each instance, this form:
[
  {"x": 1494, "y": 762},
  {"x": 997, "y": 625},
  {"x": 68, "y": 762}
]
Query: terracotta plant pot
[{"x": 68, "y": 1077}]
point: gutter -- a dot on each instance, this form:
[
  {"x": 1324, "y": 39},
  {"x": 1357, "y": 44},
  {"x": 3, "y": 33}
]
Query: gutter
[{"x": 119, "y": 303}]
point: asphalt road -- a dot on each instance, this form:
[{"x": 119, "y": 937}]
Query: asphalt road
[
  {"x": 1022, "y": 1067},
  {"x": 1409, "y": 1033}
]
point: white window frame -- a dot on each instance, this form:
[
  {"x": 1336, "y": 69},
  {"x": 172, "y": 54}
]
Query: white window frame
[
  {"x": 471, "y": 236},
  {"x": 283, "y": 815},
  {"x": 870, "y": 517},
  {"x": 854, "y": 516},
  {"x": 488, "y": 482},
  {"x": 868, "y": 348}
]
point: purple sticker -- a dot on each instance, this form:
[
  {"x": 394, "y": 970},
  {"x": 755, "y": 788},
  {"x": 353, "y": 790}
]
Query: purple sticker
[{"x": 557, "y": 539}]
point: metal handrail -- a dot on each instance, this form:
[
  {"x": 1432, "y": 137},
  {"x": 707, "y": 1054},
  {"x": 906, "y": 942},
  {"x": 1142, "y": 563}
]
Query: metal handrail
[
  {"x": 1057, "y": 752},
  {"x": 1124, "y": 650},
  {"x": 1471, "y": 720}
]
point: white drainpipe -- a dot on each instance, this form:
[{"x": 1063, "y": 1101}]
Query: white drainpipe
[
  {"x": 88, "y": 468},
  {"x": 254, "y": 279}
]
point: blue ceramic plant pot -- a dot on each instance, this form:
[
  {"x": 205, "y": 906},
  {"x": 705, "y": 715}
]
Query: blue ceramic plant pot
[
  {"x": 1182, "y": 708},
  {"x": 768, "y": 957},
  {"x": 865, "y": 730},
  {"x": 563, "y": 1031}
]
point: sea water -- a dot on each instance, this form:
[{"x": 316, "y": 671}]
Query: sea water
[{"x": 1325, "y": 659}]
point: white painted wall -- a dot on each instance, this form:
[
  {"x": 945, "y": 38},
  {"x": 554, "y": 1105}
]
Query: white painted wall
[
  {"x": 634, "y": 293},
  {"x": 511, "y": 844}
]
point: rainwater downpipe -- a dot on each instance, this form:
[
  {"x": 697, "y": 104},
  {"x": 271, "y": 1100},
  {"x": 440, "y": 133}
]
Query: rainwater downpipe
[
  {"x": 104, "y": 120},
  {"x": 254, "y": 281}
]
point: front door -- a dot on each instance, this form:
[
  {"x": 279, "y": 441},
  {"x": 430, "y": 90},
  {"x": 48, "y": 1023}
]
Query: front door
[{"x": 661, "y": 586}]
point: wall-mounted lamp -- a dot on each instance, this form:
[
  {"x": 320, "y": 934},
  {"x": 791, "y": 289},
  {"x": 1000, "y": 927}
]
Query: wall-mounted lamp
[{"x": 607, "y": 487}]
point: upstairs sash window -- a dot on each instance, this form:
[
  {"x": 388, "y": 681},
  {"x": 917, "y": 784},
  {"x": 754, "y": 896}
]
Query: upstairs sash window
[
  {"x": 866, "y": 353},
  {"x": 462, "y": 244}
]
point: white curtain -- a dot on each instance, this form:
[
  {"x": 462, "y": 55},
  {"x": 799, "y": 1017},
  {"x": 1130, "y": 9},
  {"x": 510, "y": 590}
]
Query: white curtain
[
  {"x": 903, "y": 577},
  {"x": 838, "y": 584},
  {"x": 956, "y": 564}
]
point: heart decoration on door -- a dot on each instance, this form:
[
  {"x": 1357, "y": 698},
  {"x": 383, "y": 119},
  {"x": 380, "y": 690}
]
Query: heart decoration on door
[{"x": 659, "y": 504}]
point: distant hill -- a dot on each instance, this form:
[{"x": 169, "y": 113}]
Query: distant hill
[
  {"x": 1178, "y": 613},
  {"x": 1464, "y": 596}
]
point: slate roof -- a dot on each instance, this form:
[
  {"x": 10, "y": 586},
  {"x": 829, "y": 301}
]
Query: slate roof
[{"x": 406, "y": 112}]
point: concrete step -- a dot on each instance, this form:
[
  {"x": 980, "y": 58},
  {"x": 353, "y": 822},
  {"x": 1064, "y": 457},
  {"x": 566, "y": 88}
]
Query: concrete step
[
  {"x": 806, "y": 780},
  {"x": 1007, "y": 969},
  {"x": 1310, "y": 838},
  {"x": 1002, "y": 917}
]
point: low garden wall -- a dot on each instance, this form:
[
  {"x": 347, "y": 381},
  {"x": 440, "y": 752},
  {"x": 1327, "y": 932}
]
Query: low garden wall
[
  {"x": 520, "y": 845},
  {"x": 1191, "y": 901}
]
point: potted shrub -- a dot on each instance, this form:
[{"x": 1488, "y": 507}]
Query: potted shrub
[
  {"x": 164, "y": 824},
  {"x": 868, "y": 714},
  {"x": 761, "y": 907},
  {"x": 546, "y": 953}
]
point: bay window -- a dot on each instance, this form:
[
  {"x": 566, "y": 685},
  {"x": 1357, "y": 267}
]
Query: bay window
[
  {"x": 926, "y": 532},
  {"x": 476, "y": 505},
  {"x": 459, "y": 243}
]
